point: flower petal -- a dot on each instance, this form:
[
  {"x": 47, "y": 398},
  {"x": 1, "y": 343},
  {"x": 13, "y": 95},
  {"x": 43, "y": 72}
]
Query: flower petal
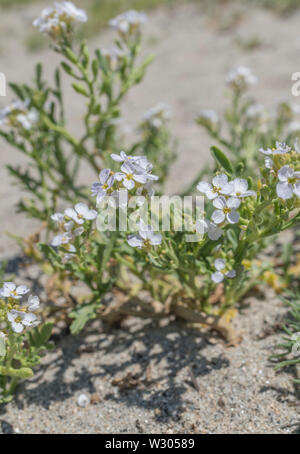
[
  {"x": 284, "y": 190},
  {"x": 218, "y": 216},
  {"x": 219, "y": 203},
  {"x": 219, "y": 264},
  {"x": 217, "y": 277},
  {"x": 233, "y": 217},
  {"x": 233, "y": 202},
  {"x": 220, "y": 180}
]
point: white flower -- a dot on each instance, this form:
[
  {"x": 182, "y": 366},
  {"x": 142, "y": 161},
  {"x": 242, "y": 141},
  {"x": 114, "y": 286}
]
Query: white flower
[
  {"x": 139, "y": 163},
  {"x": 123, "y": 157},
  {"x": 20, "y": 320},
  {"x": 33, "y": 303},
  {"x": 209, "y": 118},
  {"x": 205, "y": 226},
  {"x": 55, "y": 20},
  {"x": 214, "y": 190},
  {"x": 281, "y": 148},
  {"x": 238, "y": 188},
  {"x": 241, "y": 78},
  {"x": 269, "y": 163},
  {"x": 100, "y": 190},
  {"x": 130, "y": 176},
  {"x": 157, "y": 115},
  {"x": 226, "y": 209},
  {"x": 81, "y": 213},
  {"x": 58, "y": 217},
  {"x": 67, "y": 257},
  {"x": 288, "y": 184},
  {"x": 145, "y": 238},
  {"x": 61, "y": 238},
  {"x": 78, "y": 231},
  {"x": 219, "y": 275},
  {"x": 10, "y": 290},
  {"x": 28, "y": 119},
  {"x": 18, "y": 114},
  {"x": 69, "y": 10},
  {"x": 114, "y": 59},
  {"x": 129, "y": 22}
]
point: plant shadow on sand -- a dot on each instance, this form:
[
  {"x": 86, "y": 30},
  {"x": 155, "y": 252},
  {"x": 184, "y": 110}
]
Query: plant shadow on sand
[{"x": 138, "y": 368}]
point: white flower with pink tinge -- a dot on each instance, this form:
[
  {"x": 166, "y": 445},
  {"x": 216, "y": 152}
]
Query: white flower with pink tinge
[
  {"x": 221, "y": 272},
  {"x": 104, "y": 188},
  {"x": 130, "y": 176}
]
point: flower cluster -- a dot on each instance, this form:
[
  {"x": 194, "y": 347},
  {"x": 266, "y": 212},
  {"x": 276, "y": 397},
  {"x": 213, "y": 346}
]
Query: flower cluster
[
  {"x": 284, "y": 163},
  {"x": 14, "y": 313},
  {"x": 135, "y": 173},
  {"x": 209, "y": 119},
  {"x": 70, "y": 224},
  {"x": 240, "y": 79},
  {"x": 222, "y": 271},
  {"x": 227, "y": 197},
  {"x": 145, "y": 239},
  {"x": 114, "y": 57},
  {"x": 157, "y": 116},
  {"x": 60, "y": 18},
  {"x": 128, "y": 23},
  {"x": 19, "y": 115}
]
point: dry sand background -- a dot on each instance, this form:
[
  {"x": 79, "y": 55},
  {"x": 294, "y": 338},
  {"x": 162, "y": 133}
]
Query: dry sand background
[{"x": 230, "y": 390}]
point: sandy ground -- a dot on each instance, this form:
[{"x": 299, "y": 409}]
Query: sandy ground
[{"x": 184, "y": 381}]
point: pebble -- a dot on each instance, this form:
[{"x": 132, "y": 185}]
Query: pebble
[{"x": 83, "y": 400}]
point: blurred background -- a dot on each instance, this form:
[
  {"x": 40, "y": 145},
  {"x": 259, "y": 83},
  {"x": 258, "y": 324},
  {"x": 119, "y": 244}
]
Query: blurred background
[{"x": 196, "y": 43}]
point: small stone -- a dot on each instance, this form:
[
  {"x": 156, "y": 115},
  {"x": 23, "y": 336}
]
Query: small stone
[
  {"x": 83, "y": 400},
  {"x": 95, "y": 398}
]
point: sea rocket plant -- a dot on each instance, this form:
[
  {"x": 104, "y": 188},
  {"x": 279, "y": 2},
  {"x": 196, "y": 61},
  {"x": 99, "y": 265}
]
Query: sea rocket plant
[
  {"x": 36, "y": 124},
  {"x": 20, "y": 340},
  {"x": 245, "y": 205}
]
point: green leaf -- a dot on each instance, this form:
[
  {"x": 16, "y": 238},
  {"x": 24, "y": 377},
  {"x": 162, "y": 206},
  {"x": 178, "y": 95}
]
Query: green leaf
[
  {"x": 40, "y": 335},
  {"x": 221, "y": 159},
  {"x": 67, "y": 68},
  {"x": 38, "y": 73},
  {"x": 80, "y": 89},
  {"x": 23, "y": 372},
  {"x": 82, "y": 314},
  {"x": 17, "y": 89},
  {"x": 70, "y": 55}
]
